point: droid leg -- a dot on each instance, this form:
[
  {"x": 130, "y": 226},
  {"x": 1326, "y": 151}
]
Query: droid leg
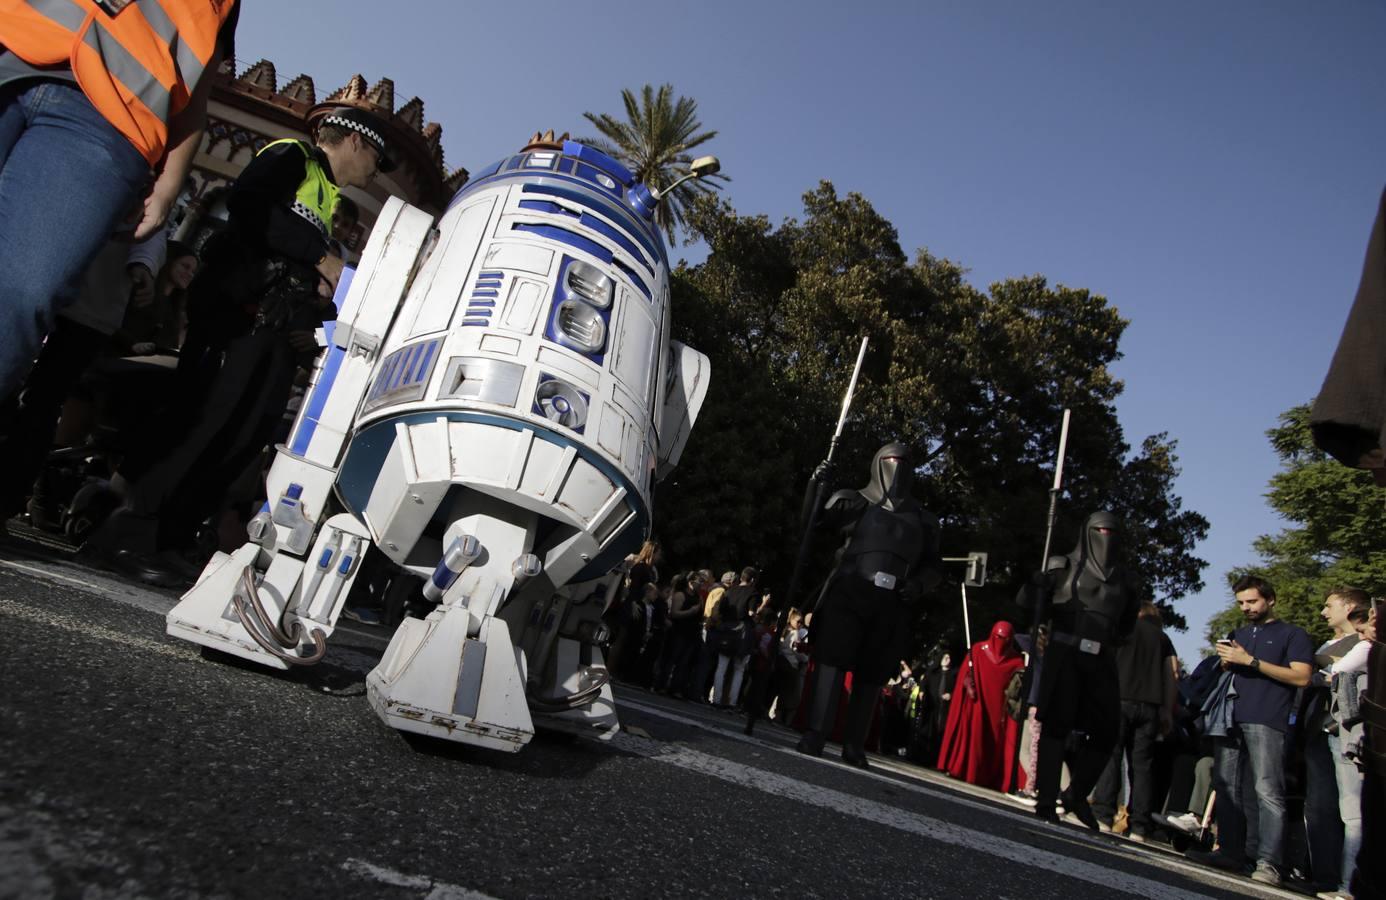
[
  {"x": 568, "y": 686},
  {"x": 276, "y": 599},
  {"x": 457, "y": 674},
  {"x": 273, "y": 607}
]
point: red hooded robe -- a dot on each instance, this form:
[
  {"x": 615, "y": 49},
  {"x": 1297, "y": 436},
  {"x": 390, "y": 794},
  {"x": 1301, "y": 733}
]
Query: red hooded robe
[{"x": 979, "y": 741}]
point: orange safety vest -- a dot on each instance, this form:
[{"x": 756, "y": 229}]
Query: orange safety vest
[{"x": 138, "y": 66}]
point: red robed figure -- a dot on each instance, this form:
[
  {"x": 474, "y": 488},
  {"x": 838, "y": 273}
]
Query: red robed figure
[{"x": 979, "y": 741}]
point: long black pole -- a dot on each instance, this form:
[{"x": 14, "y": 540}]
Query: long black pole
[
  {"x": 1041, "y": 611},
  {"x": 806, "y": 539},
  {"x": 1041, "y": 607}
]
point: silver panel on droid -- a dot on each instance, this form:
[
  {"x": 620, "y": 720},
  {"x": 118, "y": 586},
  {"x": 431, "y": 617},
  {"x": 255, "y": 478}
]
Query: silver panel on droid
[{"x": 483, "y": 380}]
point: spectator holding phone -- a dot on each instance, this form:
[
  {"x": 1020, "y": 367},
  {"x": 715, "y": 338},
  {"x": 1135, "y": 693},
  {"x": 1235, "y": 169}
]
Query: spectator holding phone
[{"x": 1270, "y": 660}]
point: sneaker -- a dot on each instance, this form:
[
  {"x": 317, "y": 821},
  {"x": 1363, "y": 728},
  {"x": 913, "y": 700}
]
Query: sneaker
[
  {"x": 1333, "y": 895},
  {"x": 1187, "y": 822},
  {"x": 1104, "y": 827},
  {"x": 1266, "y": 874},
  {"x": 1135, "y": 837}
]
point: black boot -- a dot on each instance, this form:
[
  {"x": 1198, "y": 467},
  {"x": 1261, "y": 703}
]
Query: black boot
[
  {"x": 1085, "y": 770},
  {"x": 859, "y": 710},
  {"x": 827, "y": 687},
  {"x": 1048, "y": 772}
]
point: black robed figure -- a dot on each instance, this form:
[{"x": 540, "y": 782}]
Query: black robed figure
[
  {"x": 888, "y": 558},
  {"x": 1092, "y": 606}
]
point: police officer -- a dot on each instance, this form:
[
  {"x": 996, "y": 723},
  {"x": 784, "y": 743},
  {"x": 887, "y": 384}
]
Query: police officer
[
  {"x": 1092, "y": 606},
  {"x": 266, "y": 285},
  {"x": 888, "y": 558}
]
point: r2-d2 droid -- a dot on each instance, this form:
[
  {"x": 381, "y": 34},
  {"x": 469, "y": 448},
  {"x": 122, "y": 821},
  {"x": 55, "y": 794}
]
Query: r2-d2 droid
[{"x": 499, "y": 396}]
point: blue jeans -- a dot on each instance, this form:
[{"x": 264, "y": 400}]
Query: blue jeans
[
  {"x": 1349, "y": 808},
  {"x": 1256, "y": 752},
  {"x": 67, "y": 178}
]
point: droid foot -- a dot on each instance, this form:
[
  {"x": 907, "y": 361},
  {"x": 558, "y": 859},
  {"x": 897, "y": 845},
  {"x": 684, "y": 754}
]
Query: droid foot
[{"x": 437, "y": 680}]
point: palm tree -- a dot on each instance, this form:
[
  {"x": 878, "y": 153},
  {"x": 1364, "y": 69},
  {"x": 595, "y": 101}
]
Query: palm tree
[{"x": 653, "y": 143}]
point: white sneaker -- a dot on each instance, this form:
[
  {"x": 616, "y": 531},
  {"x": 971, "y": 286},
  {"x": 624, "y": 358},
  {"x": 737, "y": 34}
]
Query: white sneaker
[{"x": 1185, "y": 822}]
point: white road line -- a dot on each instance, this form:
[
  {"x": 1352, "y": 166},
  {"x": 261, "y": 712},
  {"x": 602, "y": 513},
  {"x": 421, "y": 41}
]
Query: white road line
[
  {"x": 68, "y": 623},
  {"x": 912, "y": 823},
  {"x": 106, "y": 588},
  {"x": 437, "y": 890},
  {"x": 936, "y": 792},
  {"x": 155, "y": 602},
  {"x": 949, "y": 794}
]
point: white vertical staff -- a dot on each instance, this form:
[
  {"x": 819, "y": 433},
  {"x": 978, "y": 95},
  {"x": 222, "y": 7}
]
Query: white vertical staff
[
  {"x": 1056, "y": 489},
  {"x": 847, "y": 399},
  {"x": 801, "y": 559}
]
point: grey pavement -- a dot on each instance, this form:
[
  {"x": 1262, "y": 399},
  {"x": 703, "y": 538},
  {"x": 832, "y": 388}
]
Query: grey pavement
[{"x": 137, "y": 766}]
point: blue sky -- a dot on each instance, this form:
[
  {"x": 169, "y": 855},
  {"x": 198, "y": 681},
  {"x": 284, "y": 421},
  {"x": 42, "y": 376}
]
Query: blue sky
[{"x": 1211, "y": 168}]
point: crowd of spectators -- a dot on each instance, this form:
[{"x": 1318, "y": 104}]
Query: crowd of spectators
[{"x": 1257, "y": 760}]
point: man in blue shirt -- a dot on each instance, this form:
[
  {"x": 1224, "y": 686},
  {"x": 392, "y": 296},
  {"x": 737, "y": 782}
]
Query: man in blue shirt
[{"x": 1269, "y": 660}]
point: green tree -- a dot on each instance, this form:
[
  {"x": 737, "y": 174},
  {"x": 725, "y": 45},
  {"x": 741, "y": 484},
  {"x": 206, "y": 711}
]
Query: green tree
[
  {"x": 974, "y": 382},
  {"x": 654, "y": 142},
  {"x": 1336, "y": 517}
]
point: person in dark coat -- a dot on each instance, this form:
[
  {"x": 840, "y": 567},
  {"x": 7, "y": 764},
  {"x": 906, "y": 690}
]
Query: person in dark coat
[
  {"x": 1348, "y": 419},
  {"x": 933, "y": 716}
]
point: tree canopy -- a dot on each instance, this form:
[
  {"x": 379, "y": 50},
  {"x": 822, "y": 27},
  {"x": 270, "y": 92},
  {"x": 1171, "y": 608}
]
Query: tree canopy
[
  {"x": 974, "y": 382},
  {"x": 1336, "y": 517},
  {"x": 653, "y": 142}
]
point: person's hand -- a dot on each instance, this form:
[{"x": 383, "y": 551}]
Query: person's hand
[
  {"x": 1370, "y": 631},
  {"x": 143, "y": 348},
  {"x": 330, "y": 268},
  {"x": 1233, "y": 654},
  {"x": 141, "y": 285},
  {"x": 304, "y": 341},
  {"x": 1166, "y": 721},
  {"x": 946, "y": 696},
  {"x": 156, "y": 208},
  {"x": 1042, "y": 638},
  {"x": 824, "y": 473}
]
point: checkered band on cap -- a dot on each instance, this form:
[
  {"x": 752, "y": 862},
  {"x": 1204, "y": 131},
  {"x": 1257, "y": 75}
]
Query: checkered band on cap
[{"x": 366, "y": 132}]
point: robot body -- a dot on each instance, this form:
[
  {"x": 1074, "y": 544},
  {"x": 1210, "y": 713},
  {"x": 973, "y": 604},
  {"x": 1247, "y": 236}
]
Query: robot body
[{"x": 499, "y": 396}]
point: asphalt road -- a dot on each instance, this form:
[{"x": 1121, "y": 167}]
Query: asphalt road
[{"x": 134, "y": 766}]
